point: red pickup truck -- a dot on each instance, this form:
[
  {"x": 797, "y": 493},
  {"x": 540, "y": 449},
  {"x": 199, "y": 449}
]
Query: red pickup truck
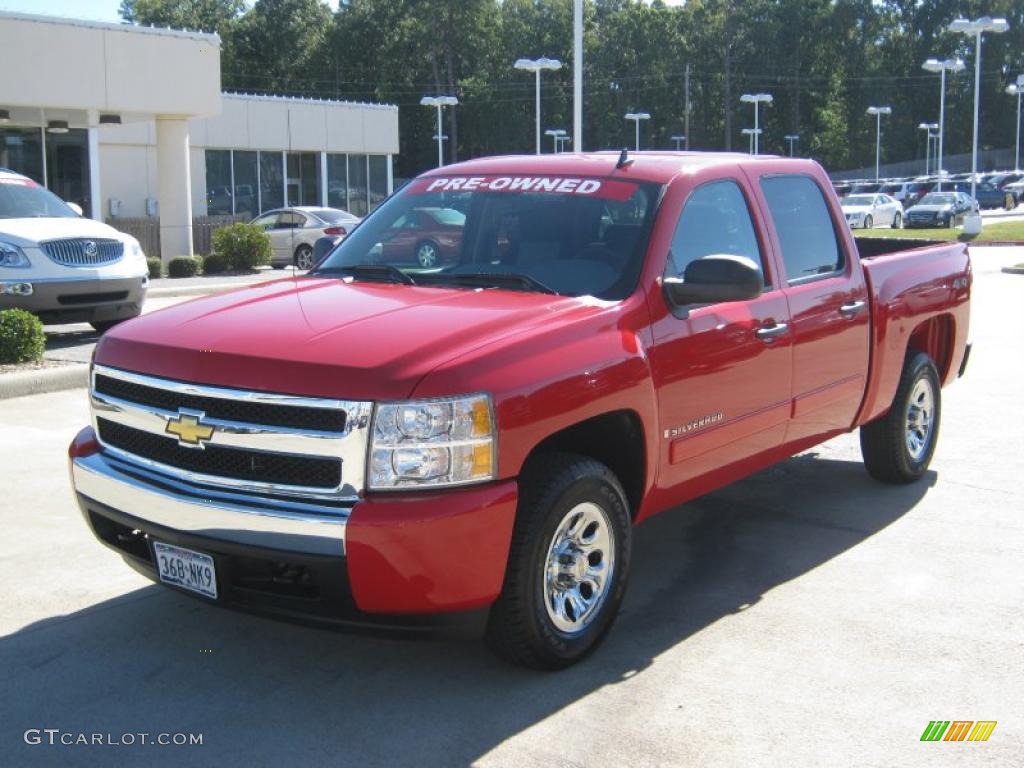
[{"x": 387, "y": 443}]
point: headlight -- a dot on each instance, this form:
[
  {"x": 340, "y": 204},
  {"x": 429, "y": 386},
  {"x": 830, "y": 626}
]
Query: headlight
[
  {"x": 12, "y": 256},
  {"x": 434, "y": 443}
]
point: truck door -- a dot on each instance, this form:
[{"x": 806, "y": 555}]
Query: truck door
[
  {"x": 722, "y": 371},
  {"x": 828, "y": 307}
]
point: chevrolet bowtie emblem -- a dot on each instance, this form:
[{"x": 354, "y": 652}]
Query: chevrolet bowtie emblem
[{"x": 188, "y": 427}]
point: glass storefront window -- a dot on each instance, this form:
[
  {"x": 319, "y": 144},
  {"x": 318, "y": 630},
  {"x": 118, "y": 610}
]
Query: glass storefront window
[
  {"x": 337, "y": 181},
  {"x": 271, "y": 181},
  {"x": 245, "y": 184},
  {"x": 218, "y": 182},
  {"x": 303, "y": 178},
  {"x": 357, "y": 193},
  {"x": 378, "y": 180},
  {"x": 21, "y": 150}
]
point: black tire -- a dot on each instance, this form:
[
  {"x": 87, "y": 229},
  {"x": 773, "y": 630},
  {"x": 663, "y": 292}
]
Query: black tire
[
  {"x": 885, "y": 442},
  {"x": 304, "y": 257},
  {"x": 552, "y": 488},
  {"x": 278, "y": 266},
  {"x": 897, "y": 221},
  {"x": 105, "y": 325},
  {"x": 869, "y": 223},
  {"x": 427, "y": 253}
]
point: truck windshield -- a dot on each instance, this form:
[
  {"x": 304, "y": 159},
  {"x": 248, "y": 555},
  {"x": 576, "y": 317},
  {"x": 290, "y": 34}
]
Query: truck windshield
[
  {"x": 570, "y": 236},
  {"x": 24, "y": 199}
]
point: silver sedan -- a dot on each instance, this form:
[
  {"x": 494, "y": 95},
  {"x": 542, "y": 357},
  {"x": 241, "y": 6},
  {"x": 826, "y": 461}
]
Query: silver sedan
[
  {"x": 872, "y": 210},
  {"x": 294, "y": 231}
]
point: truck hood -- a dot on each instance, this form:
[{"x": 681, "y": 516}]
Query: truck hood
[
  {"x": 26, "y": 233},
  {"x": 328, "y": 337}
]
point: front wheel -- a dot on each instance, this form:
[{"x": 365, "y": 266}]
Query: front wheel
[
  {"x": 427, "y": 254},
  {"x": 897, "y": 221},
  {"x": 1008, "y": 202},
  {"x": 568, "y": 563},
  {"x": 869, "y": 223},
  {"x": 898, "y": 447},
  {"x": 304, "y": 257}
]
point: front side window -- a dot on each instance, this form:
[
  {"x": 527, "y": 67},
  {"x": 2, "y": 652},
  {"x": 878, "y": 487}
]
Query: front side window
[
  {"x": 715, "y": 220},
  {"x": 810, "y": 246},
  {"x": 570, "y": 236}
]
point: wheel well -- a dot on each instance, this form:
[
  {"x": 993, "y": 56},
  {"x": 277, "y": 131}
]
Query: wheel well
[
  {"x": 300, "y": 246},
  {"x": 934, "y": 337},
  {"x": 615, "y": 439}
]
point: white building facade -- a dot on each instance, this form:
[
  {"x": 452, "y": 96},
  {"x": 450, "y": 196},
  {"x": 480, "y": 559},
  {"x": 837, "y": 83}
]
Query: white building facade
[{"x": 130, "y": 121}]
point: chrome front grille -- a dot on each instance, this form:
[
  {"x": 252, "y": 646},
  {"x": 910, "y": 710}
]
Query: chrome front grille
[
  {"x": 83, "y": 251},
  {"x": 236, "y": 439}
]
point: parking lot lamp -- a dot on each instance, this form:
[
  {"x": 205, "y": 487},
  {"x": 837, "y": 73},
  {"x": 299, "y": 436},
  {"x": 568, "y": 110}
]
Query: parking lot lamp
[
  {"x": 439, "y": 101},
  {"x": 791, "y": 138},
  {"x": 636, "y": 117},
  {"x": 878, "y": 112},
  {"x": 977, "y": 28},
  {"x": 678, "y": 140},
  {"x": 751, "y": 134},
  {"x": 556, "y": 134},
  {"x": 948, "y": 65},
  {"x": 1015, "y": 89},
  {"x": 756, "y": 99},
  {"x": 537, "y": 66}
]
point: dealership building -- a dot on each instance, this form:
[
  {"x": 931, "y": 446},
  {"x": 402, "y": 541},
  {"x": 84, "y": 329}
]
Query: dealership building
[{"x": 130, "y": 121}]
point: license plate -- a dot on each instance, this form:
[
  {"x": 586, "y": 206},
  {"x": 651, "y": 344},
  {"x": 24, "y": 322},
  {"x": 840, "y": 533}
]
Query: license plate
[{"x": 184, "y": 568}]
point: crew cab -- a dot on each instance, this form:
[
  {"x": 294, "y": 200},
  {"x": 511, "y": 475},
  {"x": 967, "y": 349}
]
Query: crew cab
[
  {"x": 62, "y": 267},
  {"x": 385, "y": 443}
]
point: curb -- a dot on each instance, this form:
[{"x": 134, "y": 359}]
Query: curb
[
  {"x": 1014, "y": 270},
  {"x": 43, "y": 380}
]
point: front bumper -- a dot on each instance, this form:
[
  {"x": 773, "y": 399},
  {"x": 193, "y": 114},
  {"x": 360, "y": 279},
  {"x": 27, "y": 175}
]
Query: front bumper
[
  {"x": 417, "y": 560},
  {"x": 80, "y": 300}
]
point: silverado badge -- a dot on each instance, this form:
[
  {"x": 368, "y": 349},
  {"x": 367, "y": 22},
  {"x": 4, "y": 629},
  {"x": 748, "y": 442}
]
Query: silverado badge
[{"x": 188, "y": 427}]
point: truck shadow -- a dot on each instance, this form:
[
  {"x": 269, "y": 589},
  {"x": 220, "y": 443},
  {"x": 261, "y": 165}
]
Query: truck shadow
[{"x": 266, "y": 693}]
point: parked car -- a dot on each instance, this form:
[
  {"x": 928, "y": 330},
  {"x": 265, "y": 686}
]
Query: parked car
[
  {"x": 867, "y": 211},
  {"x": 897, "y": 190},
  {"x": 915, "y": 191},
  {"x": 294, "y": 231},
  {"x": 61, "y": 266},
  {"x": 427, "y": 237},
  {"x": 865, "y": 188},
  {"x": 940, "y": 209},
  {"x": 987, "y": 195},
  {"x": 473, "y": 444}
]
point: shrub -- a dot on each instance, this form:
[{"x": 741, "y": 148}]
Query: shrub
[
  {"x": 243, "y": 246},
  {"x": 214, "y": 264},
  {"x": 183, "y": 266},
  {"x": 156, "y": 267},
  {"x": 21, "y": 337}
]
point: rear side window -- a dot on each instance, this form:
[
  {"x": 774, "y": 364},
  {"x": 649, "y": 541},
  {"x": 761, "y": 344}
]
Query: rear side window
[
  {"x": 715, "y": 220},
  {"x": 809, "y": 243}
]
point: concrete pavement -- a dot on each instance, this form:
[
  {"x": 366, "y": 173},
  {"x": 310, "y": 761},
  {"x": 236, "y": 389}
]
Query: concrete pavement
[{"x": 805, "y": 616}]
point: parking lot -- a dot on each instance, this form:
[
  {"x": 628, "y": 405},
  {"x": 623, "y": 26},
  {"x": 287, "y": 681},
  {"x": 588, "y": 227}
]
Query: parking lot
[{"x": 805, "y": 616}]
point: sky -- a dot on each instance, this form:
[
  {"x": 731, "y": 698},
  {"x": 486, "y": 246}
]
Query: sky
[{"x": 93, "y": 10}]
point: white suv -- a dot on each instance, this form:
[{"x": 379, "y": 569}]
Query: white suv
[{"x": 62, "y": 267}]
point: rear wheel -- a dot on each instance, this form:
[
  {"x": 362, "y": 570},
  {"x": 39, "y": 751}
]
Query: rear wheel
[
  {"x": 1008, "y": 202},
  {"x": 304, "y": 257},
  {"x": 897, "y": 221},
  {"x": 568, "y": 563},
  {"x": 868, "y": 222},
  {"x": 898, "y": 447}
]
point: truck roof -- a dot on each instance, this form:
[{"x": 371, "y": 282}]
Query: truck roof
[{"x": 655, "y": 166}]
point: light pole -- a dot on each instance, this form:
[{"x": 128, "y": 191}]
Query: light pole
[
  {"x": 878, "y": 112},
  {"x": 948, "y": 65},
  {"x": 678, "y": 140},
  {"x": 928, "y": 146},
  {"x": 556, "y": 134},
  {"x": 756, "y": 99},
  {"x": 536, "y": 66},
  {"x": 636, "y": 117},
  {"x": 791, "y": 138},
  {"x": 561, "y": 141},
  {"x": 752, "y": 134},
  {"x": 1015, "y": 89},
  {"x": 439, "y": 101},
  {"x": 977, "y": 28}
]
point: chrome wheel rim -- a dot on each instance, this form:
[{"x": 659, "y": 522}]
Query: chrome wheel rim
[
  {"x": 920, "y": 418},
  {"x": 426, "y": 255},
  {"x": 305, "y": 259},
  {"x": 579, "y": 567}
]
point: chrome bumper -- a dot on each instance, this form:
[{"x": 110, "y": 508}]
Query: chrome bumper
[{"x": 241, "y": 518}]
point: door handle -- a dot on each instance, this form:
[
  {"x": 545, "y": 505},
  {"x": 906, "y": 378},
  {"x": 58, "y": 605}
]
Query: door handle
[
  {"x": 769, "y": 332},
  {"x": 851, "y": 309}
]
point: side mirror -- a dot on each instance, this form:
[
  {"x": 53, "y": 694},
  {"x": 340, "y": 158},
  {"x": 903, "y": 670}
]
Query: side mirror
[
  {"x": 714, "y": 278},
  {"x": 76, "y": 208}
]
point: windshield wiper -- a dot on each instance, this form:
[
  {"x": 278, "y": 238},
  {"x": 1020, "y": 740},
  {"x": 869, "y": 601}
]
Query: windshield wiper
[
  {"x": 384, "y": 272},
  {"x": 498, "y": 280}
]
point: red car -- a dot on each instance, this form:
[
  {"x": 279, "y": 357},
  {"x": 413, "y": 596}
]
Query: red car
[
  {"x": 379, "y": 443},
  {"x": 424, "y": 236}
]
